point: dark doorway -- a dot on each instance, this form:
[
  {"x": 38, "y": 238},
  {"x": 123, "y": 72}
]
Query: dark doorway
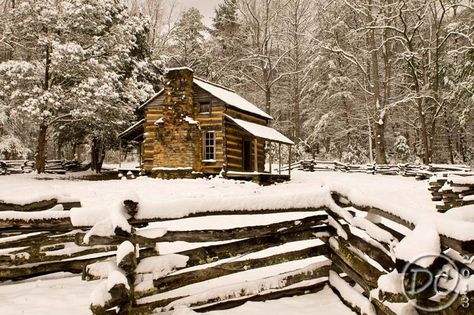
[{"x": 246, "y": 155}]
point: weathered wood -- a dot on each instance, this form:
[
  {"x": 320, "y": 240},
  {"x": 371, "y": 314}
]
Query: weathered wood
[
  {"x": 118, "y": 293},
  {"x": 206, "y": 235},
  {"x": 368, "y": 272},
  {"x": 263, "y": 297},
  {"x": 372, "y": 251},
  {"x": 43, "y": 239},
  {"x": 208, "y": 254},
  {"x": 34, "y": 270},
  {"x": 288, "y": 279},
  {"x": 182, "y": 279},
  {"x": 34, "y": 254},
  {"x": 33, "y": 206},
  {"x": 58, "y": 224},
  {"x": 464, "y": 247},
  {"x": 339, "y": 265},
  {"x": 228, "y": 212}
]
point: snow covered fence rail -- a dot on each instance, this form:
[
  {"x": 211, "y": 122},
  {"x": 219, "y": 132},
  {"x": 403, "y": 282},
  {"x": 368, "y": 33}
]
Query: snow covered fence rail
[
  {"x": 163, "y": 281},
  {"x": 452, "y": 191},
  {"x": 34, "y": 243},
  {"x": 52, "y": 166},
  {"x": 414, "y": 170},
  {"x": 368, "y": 243},
  {"x": 381, "y": 248}
]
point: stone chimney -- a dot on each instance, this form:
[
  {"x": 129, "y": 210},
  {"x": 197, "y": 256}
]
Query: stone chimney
[{"x": 178, "y": 136}]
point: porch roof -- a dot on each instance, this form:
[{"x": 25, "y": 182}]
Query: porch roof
[
  {"x": 260, "y": 131},
  {"x": 133, "y": 133}
]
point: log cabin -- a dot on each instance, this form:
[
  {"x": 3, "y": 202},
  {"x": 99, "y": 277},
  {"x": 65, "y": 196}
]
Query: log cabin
[{"x": 193, "y": 128}]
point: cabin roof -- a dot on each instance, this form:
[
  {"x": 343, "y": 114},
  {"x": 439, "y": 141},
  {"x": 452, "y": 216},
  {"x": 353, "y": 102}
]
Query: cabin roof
[
  {"x": 225, "y": 94},
  {"x": 133, "y": 132},
  {"x": 261, "y": 131},
  {"x": 230, "y": 98}
]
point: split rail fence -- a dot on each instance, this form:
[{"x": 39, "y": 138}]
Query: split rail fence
[
  {"x": 352, "y": 252},
  {"x": 418, "y": 171}
]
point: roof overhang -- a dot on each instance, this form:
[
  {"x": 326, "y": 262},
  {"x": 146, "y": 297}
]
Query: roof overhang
[
  {"x": 260, "y": 131},
  {"x": 151, "y": 99},
  {"x": 134, "y": 133}
]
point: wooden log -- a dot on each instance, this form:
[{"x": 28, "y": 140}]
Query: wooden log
[
  {"x": 372, "y": 251},
  {"x": 227, "y": 213},
  {"x": 339, "y": 266},
  {"x": 208, "y": 254},
  {"x": 118, "y": 293},
  {"x": 33, "y": 270},
  {"x": 263, "y": 297},
  {"x": 464, "y": 247},
  {"x": 355, "y": 308},
  {"x": 367, "y": 271},
  {"x": 70, "y": 204},
  {"x": 287, "y": 279},
  {"x": 182, "y": 279},
  {"x": 206, "y": 235},
  {"x": 54, "y": 224},
  {"x": 35, "y": 255},
  {"x": 43, "y": 238},
  {"x": 32, "y": 206}
]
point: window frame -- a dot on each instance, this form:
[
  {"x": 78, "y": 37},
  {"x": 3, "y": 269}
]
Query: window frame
[
  {"x": 209, "y": 103},
  {"x": 206, "y": 145}
]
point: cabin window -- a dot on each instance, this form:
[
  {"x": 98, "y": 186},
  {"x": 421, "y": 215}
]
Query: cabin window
[
  {"x": 209, "y": 146},
  {"x": 205, "y": 108}
]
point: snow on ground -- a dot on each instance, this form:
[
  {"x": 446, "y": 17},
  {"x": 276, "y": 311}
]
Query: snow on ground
[
  {"x": 71, "y": 295},
  {"x": 58, "y": 294},
  {"x": 172, "y": 198}
]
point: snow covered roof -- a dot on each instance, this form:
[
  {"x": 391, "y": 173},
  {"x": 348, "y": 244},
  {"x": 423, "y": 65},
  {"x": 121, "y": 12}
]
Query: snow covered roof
[
  {"x": 178, "y": 68},
  {"x": 151, "y": 99},
  {"x": 260, "y": 131},
  {"x": 137, "y": 125},
  {"x": 231, "y": 98},
  {"x": 224, "y": 94}
]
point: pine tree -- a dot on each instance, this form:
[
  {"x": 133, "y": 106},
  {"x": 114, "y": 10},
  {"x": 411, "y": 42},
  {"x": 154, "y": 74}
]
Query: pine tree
[
  {"x": 188, "y": 38},
  {"x": 81, "y": 63}
]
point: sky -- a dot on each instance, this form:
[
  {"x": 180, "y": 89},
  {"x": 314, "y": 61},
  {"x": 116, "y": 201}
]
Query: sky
[{"x": 205, "y": 6}]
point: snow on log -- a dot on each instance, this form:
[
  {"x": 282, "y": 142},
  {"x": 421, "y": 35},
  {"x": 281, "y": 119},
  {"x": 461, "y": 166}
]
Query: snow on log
[
  {"x": 127, "y": 257},
  {"x": 181, "y": 279},
  {"x": 351, "y": 296},
  {"x": 160, "y": 266},
  {"x": 110, "y": 293},
  {"x": 249, "y": 288},
  {"x": 114, "y": 224},
  {"x": 98, "y": 270},
  {"x": 421, "y": 246}
]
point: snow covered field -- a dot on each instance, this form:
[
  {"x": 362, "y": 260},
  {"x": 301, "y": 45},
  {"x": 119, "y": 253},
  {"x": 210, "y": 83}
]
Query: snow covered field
[{"x": 67, "y": 294}]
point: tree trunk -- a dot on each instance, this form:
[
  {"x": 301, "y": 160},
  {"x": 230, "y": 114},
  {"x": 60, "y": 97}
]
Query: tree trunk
[
  {"x": 40, "y": 156},
  {"x": 380, "y": 155},
  {"x": 97, "y": 155}
]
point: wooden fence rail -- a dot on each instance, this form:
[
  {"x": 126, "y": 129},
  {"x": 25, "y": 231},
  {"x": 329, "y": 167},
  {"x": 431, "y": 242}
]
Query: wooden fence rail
[
  {"x": 418, "y": 171},
  {"x": 347, "y": 245},
  {"x": 357, "y": 251}
]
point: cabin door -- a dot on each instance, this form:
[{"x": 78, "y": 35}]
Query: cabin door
[{"x": 246, "y": 155}]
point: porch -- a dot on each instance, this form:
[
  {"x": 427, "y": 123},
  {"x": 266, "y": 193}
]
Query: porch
[{"x": 255, "y": 165}]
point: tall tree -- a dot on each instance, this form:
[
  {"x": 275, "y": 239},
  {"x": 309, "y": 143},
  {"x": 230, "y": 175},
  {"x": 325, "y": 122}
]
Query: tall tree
[{"x": 80, "y": 55}]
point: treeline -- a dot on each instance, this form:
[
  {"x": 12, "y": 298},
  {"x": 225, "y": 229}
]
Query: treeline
[
  {"x": 386, "y": 80},
  {"x": 381, "y": 80}
]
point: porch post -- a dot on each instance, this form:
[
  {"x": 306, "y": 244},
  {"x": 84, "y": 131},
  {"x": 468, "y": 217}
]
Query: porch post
[
  {"x": 279, "y": 158},
  {"x": 289, "y": 160},
  {"x": 255, "y": 154}
]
